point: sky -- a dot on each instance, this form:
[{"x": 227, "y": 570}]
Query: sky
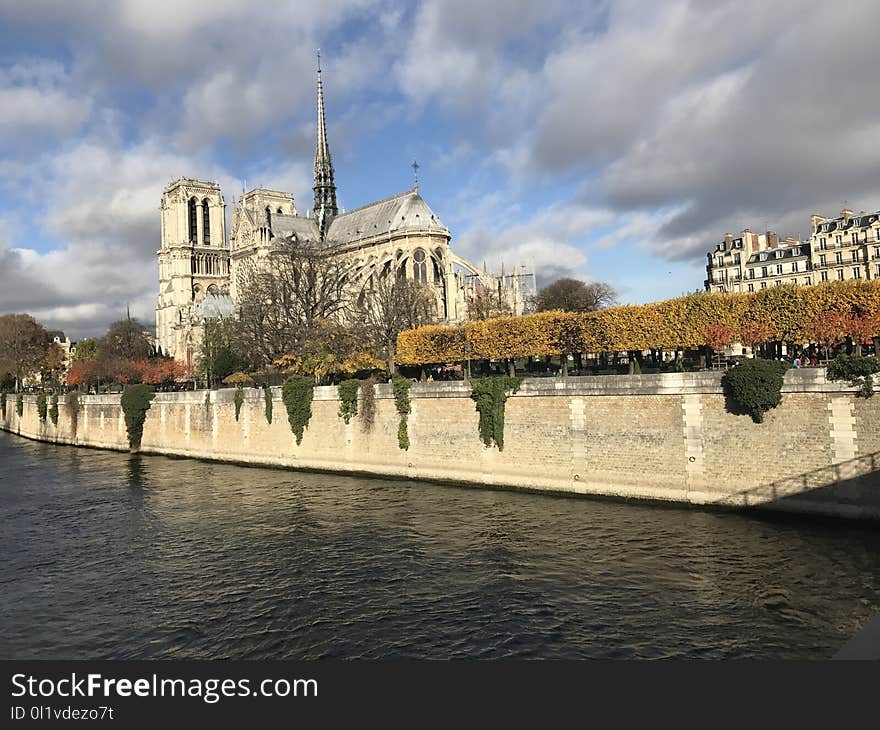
[{"x": 606, "y": 140}]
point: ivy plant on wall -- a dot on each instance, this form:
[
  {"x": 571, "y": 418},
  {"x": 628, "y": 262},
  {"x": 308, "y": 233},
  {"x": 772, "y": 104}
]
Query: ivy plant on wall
[
  {"x": 401, "y": 386},
  {"x": 238, "y": 400},
  {"x": 348, "y": 399},
  {"x": 267, "y": 397},
  {"x": 135, "y": 403},
  {"x": 41, "y": 406},
  {"x": 368, "y": 404},
  {"x": 19, "y": 405},
  {"x": 3, "y": 405},
  {"x": 53, "y": 409},
  {"x": 297, "y": 395},
  {"x": 755, "y": 386},
  {"x": 491, "y": 394},
  {"x": 72, "y": 406}
]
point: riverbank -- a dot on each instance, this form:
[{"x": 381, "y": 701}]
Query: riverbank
[{"x": 666, "y": 437}]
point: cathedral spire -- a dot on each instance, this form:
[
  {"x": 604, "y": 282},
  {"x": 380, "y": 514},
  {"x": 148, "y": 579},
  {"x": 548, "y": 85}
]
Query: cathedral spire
[{"x": 324, "y": 187}]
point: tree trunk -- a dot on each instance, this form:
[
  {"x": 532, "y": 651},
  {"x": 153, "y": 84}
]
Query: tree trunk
[{"x": 564, "y": 360}]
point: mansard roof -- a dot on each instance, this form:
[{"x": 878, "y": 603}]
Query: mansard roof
[
  {"x": 841, "y": 224},
  {"x": 404, "y": 211},
  {"x": 777, "y": 254}
]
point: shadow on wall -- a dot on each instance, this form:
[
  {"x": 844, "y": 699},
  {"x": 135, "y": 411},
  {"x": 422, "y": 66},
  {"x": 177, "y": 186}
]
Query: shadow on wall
[{"x": 850, "y": 484}]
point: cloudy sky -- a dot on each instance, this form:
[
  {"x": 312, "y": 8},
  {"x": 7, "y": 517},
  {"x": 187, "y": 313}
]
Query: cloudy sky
[{"x": 610, "y": 140}]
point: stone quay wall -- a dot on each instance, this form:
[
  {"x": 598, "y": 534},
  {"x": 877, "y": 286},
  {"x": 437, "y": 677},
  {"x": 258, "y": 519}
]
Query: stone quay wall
[{"x": 663, "y": 437}]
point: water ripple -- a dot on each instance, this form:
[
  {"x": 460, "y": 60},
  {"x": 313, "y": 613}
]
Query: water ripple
[{"x": 111, "y": 556}]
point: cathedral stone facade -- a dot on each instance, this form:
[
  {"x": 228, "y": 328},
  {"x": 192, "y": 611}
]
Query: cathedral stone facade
[{"x": 400, "y": 235}]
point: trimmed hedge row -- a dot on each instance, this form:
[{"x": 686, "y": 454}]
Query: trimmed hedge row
[{"x": 784, "y": 313}]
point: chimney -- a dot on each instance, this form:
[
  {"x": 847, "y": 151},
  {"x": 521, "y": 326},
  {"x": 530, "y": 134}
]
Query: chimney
[
  {"x": 772, "y": 239},
  {"x": 846, "y": 214}
]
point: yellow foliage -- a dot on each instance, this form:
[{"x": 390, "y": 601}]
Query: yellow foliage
[{"x": 786, "y": 312}]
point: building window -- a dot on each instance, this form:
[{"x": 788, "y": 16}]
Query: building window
[
  {"x": 823, "y": 243},
  {"x": 877, "y": 272},
  {"x": 752, "y": 286},
  {"x": 778, "y": 282},
  {"x": 206, "y": 222},
  {"x": 193, "y": 229},
  {"x": 736, "y": 256},
  {"x": 854, "y": 237},
  {"x": 763, "y": 284},
  {"x": 420, "y": 266},
  {"x": 877, "y": 252},
  {"x": 838, "y": 240},
  {"x": 823, "y": 259},
  {"x": 840, "y": 274},
  {"x": 778, "y": 268},
  {"x": 857, "y": 272},
  {"x": 794, "y": 267},
  {"x": 838, "y": 258},
  {"x": 824, "y": 276},
  {"x": 751, "y": 273},
  {"x": 808, "y": 281},
  {"x": 857, "y": 255},
  {"x": 763, "y": 271}
]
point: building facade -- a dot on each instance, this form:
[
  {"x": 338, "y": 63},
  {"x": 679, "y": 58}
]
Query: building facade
[
  {"x": 400, "y": 235},
  {"x": 839, "y": 249}
]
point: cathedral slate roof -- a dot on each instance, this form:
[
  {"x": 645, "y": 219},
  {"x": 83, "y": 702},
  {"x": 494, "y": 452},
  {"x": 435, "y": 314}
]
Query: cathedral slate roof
[
  {"x": 304, "y": 230},
  {"x": 406, "y": 210},
  {"x": 215, "y": 306}
]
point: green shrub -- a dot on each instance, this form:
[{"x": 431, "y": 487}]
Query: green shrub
[
  {"x": 297, "y": 393},
  {"x": 368, "y": 404},
  {"x": 53, "y": 409},
  {"x": 135, "y": 404},
  {"x": 755, "y": 386},
  {"x": 41, "y": 406},
  {"x": 348, "y": 399},
  {"x": 401, "y": 385},
  {"x": 267, "y": 397},
  {"x": 491, "y": 394},
  {"x": 72, "y": 406},
  {"x": 19, "y": 405},
  {"x": 238, "y": 400},
  {"x": 856, "y": 370}
]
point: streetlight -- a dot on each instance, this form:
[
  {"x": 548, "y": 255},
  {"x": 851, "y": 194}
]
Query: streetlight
[{"x": 468, "y": 348}]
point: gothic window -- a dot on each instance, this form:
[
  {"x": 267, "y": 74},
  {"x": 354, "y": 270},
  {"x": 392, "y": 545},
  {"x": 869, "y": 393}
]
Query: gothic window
[
  {"x": 193, "y": 230},
  {"x": 420, "y": 267},
  {"x": 269, "y": 221},
  {"x": 206, "y": 222},
  {"x": 212, "y": 289}
]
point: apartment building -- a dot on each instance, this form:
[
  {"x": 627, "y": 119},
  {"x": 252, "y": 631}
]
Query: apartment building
[{"x": 846, "y": 247}]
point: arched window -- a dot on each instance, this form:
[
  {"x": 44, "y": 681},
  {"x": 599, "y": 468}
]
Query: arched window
[
  {"x": 206, "y": 222},
  {"x": 420, "y": 266},
  {"x": 193, "y": 229}
]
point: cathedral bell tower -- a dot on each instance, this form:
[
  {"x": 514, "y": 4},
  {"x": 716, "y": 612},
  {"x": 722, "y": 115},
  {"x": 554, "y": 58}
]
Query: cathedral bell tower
[{"x": 193, "y": 260}]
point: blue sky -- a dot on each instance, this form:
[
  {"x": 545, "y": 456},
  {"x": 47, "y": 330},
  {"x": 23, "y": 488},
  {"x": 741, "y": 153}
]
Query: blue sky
[{"x": 603, "y": 140}]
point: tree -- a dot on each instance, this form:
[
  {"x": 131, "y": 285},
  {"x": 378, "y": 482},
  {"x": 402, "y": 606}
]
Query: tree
[
  {"x": 126, "y": 339},
  {"x": 829, "y": 330},
  {"x": 573, "y": 295},
  {"x": 218, "y": 357},
  {"x": 86, "y": 349},
  {"x": 54, "y": 363},
  {"x": 390, "y": 305},
  {"x": 755, "y": 332},
  {"x": 23, "y": 345},
  {"x": 284, "y": 297},
  {"x": 487, "y": 305}
]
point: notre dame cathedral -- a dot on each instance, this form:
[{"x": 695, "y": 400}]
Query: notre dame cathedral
[{"x": 198, "y": 264}]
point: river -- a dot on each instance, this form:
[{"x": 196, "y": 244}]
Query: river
[{"x": 107, "y": 555}]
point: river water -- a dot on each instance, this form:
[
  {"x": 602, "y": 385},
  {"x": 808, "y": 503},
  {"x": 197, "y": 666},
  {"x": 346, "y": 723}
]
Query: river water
[{"x": 106, "y": 555}]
